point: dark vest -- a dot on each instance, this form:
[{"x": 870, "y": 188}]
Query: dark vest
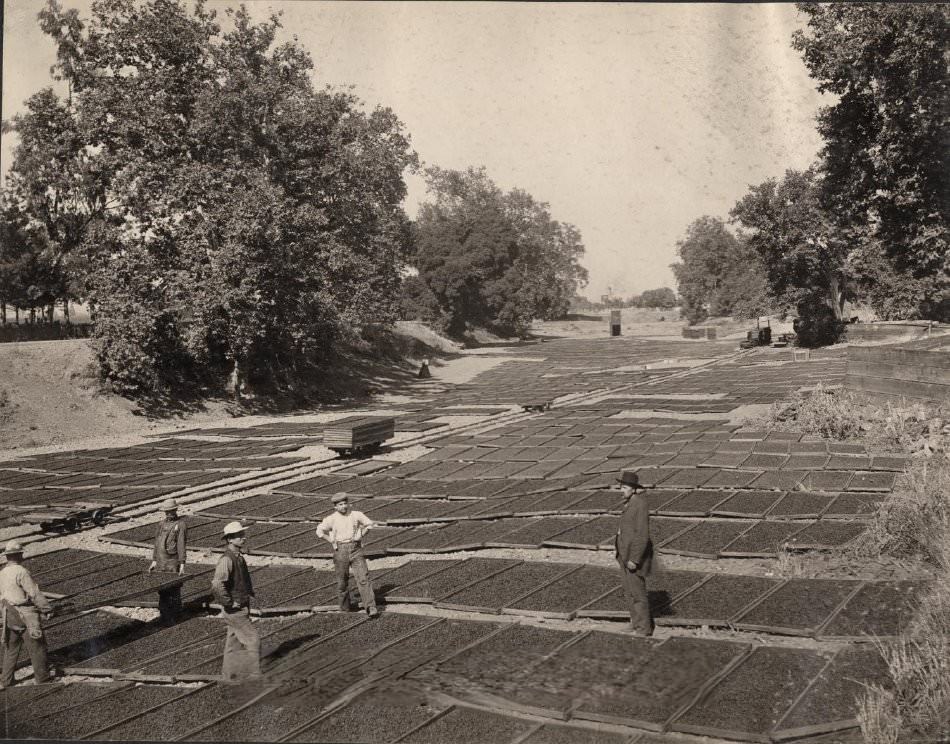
[{"x": 238, "y": 584}]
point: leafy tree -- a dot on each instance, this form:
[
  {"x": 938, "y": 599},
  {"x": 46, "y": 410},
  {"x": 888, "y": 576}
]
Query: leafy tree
[
  {"x": 255, "y": 217},
  {"x": 493, "y": 259},
  {"x": 663, "y": 298},
  {"x": 804, "y": 254},
  {"x": 719, "y": 273},
  {"x": 885, "y": 166}
]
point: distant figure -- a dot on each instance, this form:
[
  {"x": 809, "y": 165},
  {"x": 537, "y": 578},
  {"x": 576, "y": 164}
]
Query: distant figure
[
  {"x": 424, "y": 373},
  {"x": 23, "y": 606},
  {"x": 233, "y": 590},
  {"x": 344, "y": 530},
  {"x": 169, "y": 554},
  {"x": 635, "y": 553}
]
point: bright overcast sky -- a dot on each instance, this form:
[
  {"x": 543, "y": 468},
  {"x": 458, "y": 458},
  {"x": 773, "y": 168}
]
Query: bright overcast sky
[{"x": 630, "y": 120}]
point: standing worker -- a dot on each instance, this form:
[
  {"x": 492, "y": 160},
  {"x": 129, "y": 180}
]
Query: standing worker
[
  {"x": 634, "y": 550},
  {"x": 232, "y": 589},
  {"x": 22, "y": 605},
  {"x": 344, "y": 530},
  {"x": 169, "y": 554}
]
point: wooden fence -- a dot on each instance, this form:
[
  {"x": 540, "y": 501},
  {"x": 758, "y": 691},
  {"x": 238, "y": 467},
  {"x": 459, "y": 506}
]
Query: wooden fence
[{"x": 911, "y": 371}]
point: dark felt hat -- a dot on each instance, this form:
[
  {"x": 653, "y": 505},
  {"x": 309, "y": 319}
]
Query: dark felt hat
[
  {"x": 629, "y": 478},
  {"x": 338, "y": 497}
]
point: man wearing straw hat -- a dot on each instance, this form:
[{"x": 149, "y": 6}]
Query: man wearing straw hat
[
  {"x": 233, "y": 590},
  {"x": 168, "y": 554},
  {"x": 634, "y": 551},
  {"x": 344, "y": 530},
  {"x": 22, "y": 605}
]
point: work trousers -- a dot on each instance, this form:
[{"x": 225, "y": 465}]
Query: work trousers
[
  {"x": 35, "y": 641},
  {"x": 350, "y": 556},
  {"x": 242, "y": 647},
  {"x": 635, "y": 587}
]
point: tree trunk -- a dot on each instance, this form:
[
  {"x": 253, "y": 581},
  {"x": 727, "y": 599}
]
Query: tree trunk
[
  {"x": 836, "y": 296},
  {"x": 235, "y": 385},
  {"x": 66, "y": 311},
  {"x": 16, "y": 310},
  {"x": 32, "y": 315},
  {"x": 3, "y": 313}
]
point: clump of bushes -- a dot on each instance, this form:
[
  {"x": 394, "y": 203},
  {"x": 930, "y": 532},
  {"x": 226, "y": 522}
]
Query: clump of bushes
[
  {"x": 917, "y": 428},
  {"x": 830, "y": 413}
]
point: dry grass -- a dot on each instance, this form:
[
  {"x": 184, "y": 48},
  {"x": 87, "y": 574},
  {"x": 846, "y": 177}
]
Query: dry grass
[
  {"x": 915, "y": 519},
  {"x": 917, "y": 706},
  {"x": 792, "y": 565}
]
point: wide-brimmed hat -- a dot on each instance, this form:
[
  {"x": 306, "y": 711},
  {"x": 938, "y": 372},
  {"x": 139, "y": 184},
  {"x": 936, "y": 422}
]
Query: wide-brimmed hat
[
  {"x": 13, "y": 548},
  {"x": 629, "y": 478},
  {"x": 338, "y": 497},
  {"x": 169, "y": 505},
  {"x": 233, "y": 529}
]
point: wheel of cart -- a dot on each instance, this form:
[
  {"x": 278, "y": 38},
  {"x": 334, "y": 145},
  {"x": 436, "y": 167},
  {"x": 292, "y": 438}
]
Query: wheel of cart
[
  {"x": 538, "y": 406},
  {"x": 99, "y": 516}
]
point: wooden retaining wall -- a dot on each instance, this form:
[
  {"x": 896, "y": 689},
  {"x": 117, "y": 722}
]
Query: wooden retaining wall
[
  {"x": 893, "y": 372},
  {"x": 887, "y": 332}
]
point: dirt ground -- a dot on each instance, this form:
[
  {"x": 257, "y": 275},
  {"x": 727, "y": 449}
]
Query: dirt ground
[{"x": 49, "y": 397}]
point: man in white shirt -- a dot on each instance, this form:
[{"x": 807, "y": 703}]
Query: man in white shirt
[
  {"x": 344, "y": 530},
  {"x": 23, "y": 606}
]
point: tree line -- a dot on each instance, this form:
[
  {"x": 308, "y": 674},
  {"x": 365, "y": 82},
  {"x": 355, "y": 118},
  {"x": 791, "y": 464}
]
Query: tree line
[
  {"x": 868, "y": 221},
  {"x": 223, "y": 216}
]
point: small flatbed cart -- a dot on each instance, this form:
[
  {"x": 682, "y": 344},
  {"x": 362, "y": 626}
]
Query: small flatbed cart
[
  {"x": 537, "y": 406},
  {"x": 360, "y": 436},
  {"x": 67, "y": 518}
]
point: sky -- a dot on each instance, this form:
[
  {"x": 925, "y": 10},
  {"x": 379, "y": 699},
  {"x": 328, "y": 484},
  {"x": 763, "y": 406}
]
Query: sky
[{"x": 630, "y": 120}]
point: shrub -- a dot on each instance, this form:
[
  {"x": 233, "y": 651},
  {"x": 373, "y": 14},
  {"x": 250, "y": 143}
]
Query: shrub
[
  {"x": 834, "y": 414},
  {"x": 817, "y": 325}
]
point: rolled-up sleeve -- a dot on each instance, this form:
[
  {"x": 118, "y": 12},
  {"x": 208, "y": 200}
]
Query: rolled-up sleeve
[{"x": 31, "y": 590}]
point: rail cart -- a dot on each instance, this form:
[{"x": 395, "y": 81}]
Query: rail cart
[
  {"x": 350, "y": 438},
  {"x": 67, "y": 518}
]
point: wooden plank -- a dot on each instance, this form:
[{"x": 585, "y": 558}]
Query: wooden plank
[
  {"x": 906, "y": 388},
  {"x": 898, "y": 371},
  {"x": 890, "y": 354}
]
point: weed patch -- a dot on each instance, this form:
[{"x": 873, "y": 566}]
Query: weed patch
[
  {"x": 837, "y": 414},
  {"x": 915, "y": 520}
]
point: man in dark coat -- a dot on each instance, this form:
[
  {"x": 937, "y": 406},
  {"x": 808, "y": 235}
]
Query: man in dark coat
[
  {"x": 169, "y": 554},
  {"x": 635, "y": 553}
]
